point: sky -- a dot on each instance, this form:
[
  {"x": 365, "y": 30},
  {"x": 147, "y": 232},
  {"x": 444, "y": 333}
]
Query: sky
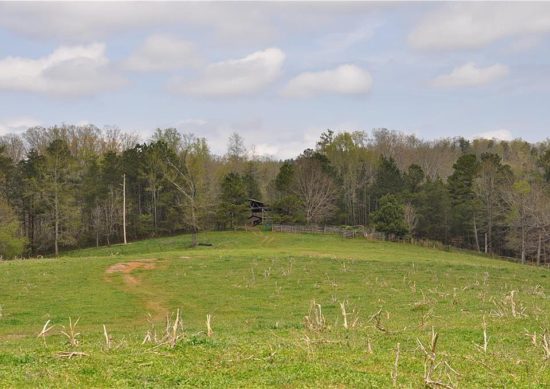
[{"x": 278, "y": 73}]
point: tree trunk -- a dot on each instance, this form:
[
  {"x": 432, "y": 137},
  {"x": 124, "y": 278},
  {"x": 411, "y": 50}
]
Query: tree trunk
[
  {"x": 539, "y": 248},
  {"x": 155, "y": 209},
  {"x": 523, "y": 243},
  {"x": 194, "y": 238},
  {"x": 56, "y": 222},
  {"x": 476, "y": 237},
  {"x": 124, "y": 207}
]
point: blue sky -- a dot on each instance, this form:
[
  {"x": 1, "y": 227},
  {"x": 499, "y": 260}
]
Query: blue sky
[{"x": 278, "y": 73}]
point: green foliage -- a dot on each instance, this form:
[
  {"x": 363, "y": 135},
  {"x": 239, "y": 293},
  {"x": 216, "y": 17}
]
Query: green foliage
[
  {"x": 492, "y": 183},
  {"x": 67, "y": 190},
  {"x": 463, "y": 199},
  {"x": 388, "y": 178},
  {"x": 284, "y": 178},
  {"x": 234, "y": 200},
  {"x": 544, "y": 163},
  {"x": 433, "y": 209},
  {"x": 414, "y": 177},
  {"x": 390, "y": 217},
  {"x": 285, "y": 205},
  {"x": 12, "y": 244}
]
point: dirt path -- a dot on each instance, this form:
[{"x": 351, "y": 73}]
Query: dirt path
[
  {"x": 132, "y": 283},
  {"x": 265, "y": 239}
]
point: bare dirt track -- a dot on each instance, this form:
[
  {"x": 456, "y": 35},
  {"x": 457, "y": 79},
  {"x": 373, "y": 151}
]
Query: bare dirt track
[
  {"x": 134, "y": 284},
  {"x": 126, "y": 268}
]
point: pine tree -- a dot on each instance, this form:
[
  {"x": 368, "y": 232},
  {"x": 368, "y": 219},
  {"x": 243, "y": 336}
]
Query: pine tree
[
  {"x": 389, "y": 218},
  {"x": 463, "y": 199}
]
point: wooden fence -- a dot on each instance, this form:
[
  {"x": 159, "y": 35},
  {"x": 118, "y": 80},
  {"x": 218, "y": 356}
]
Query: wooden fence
[
  {"x": 333, "y": 230},
  {"x": 353, "y": 232}
]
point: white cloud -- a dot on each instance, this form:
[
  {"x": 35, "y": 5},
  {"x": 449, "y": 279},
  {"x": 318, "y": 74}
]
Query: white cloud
[
  {"x": 161, "y": 52},
  {"x": 471, "y": 75},
  {"x": 17, "y": 124},
  {"x": 67, "y": 71},
  {"x": 80, "y": 21},
  {"x": 345, "y": 80},
  {"x": 235, "y": 77},
  {"x": 501, "y": 134},
  {"x": 475, "y": 25},
  {"x": 233, "y": 23}
]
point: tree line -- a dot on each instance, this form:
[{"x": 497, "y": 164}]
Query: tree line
[{"x": 62, "y": 187}]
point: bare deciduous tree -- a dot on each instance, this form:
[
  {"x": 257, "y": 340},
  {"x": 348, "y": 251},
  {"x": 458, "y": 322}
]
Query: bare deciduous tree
[{"x": 315, "y": 189}]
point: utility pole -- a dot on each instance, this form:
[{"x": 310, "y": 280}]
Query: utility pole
[{"x": 124, "y": 207}]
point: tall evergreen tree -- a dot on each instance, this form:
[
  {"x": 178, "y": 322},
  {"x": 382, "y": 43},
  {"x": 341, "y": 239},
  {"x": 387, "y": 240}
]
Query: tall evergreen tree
[
  {"x": 388, "y": 179},
  {"x": 233, "y": 200},
  {"x": 389, "y": 218},
  {"x": 463, "y": 200}
]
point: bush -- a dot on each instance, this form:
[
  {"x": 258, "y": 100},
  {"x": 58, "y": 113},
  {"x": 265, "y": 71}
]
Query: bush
[{"x": 390, "y": 217}]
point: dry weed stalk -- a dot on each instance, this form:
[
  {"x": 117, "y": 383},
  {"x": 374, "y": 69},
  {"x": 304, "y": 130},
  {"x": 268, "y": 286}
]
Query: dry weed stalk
[
  {"x": 537, "y": 290},
  {"x": 545, "y": 342},
  {"x": 47, "y": 328},
  {"x": 70, "y": 333},
  {"x": 512, "y": 302},
  {"x": 424, "y": 302},
  {"x": 455, "y": 297},
  {"x": 485, "y": 278},
  {"x": 288, "y": 270},
  {"x": 151, "y": 334},
  {"x": 532, "y": 336},
  {"x": 353, "y": 316},
  {"x": 369, "y": 346},
  {"x": 395, "y": 366},
  {"x": 107, "y": 337},
  {"x": 424, "y": 318},
  {"x": 173, "y": 332},
  {"x": 431, "y": 366},
  {"x": 344, "y": 314},
  {"x": 70, "y": 354},
  {"x": 209, "y": 331},
  {"x": 315, "y": 320},
  {"x": 378, "y": 321},
  {"x": 508, "y": 305},
  {"x": 485, "y": 337}
]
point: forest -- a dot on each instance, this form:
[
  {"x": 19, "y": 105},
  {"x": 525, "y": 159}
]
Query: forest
[{"x": 63, "y": 187}]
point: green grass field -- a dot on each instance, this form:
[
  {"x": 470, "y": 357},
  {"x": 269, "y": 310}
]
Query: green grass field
[{"x": 259, "y": 287}]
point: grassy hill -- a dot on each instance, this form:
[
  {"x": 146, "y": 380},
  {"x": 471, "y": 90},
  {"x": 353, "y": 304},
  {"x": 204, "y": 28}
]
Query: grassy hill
[{"x": 259, "y": 288}]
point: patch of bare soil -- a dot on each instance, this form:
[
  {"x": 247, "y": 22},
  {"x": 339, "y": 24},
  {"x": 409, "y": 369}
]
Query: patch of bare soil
[
  {"x": 133, "y": 283},
  {"x": 126, "y": 268}
]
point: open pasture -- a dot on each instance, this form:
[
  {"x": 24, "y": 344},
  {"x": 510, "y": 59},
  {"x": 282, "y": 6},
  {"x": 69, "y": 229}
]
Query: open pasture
[{"x": 272, "y": 309}]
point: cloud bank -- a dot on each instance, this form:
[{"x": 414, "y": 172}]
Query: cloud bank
[
  {"x": 476, "y": 25},
  {"x": 469, "y": 75},
  {"x": 67, "y": 71},
  {"x": 235, "y": 77},
  {"x": 162, "y": 52},
  {"x": 343, "y": 80}
]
